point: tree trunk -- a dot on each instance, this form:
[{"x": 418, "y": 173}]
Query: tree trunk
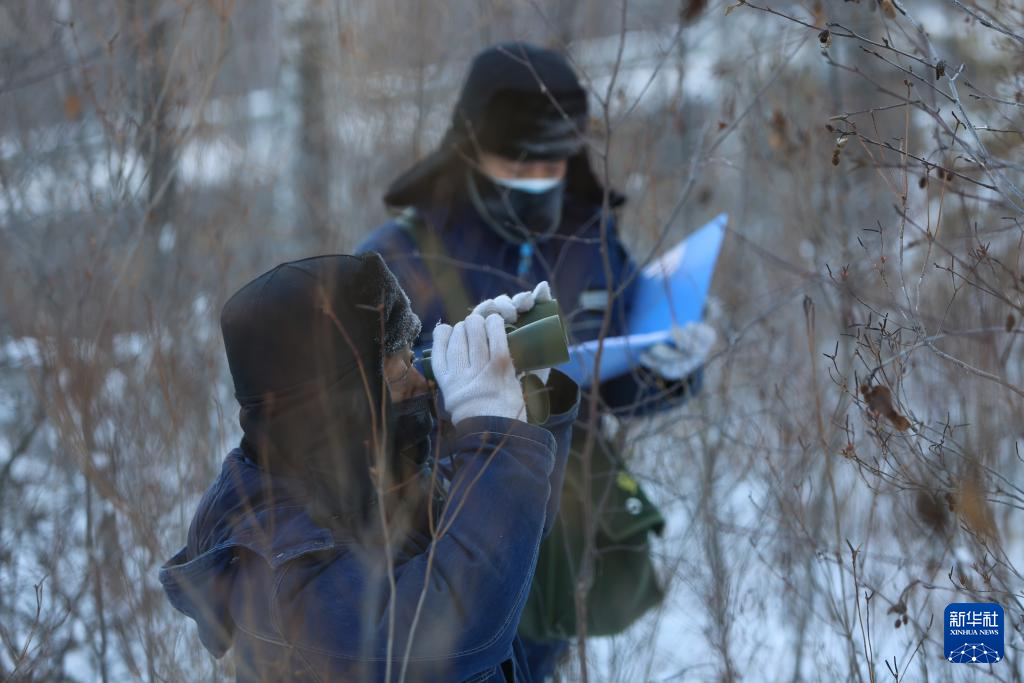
[
  {"x": 313, "y": 166},
  {"x": 156, "y": 94}
]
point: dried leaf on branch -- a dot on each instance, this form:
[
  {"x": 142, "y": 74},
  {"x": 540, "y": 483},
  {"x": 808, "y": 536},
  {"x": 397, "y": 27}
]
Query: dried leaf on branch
[{"x": 879, "y": 400}]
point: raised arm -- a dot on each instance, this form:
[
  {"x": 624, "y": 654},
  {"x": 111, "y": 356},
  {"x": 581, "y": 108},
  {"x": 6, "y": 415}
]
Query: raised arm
[{"x": 455, "y": 605}]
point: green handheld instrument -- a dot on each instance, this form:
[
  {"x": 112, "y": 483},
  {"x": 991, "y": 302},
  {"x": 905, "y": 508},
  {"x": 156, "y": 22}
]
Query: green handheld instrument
[{"x": 536, "y": 341}]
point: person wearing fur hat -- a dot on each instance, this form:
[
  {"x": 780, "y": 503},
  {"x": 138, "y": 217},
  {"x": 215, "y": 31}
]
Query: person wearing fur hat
[
  {"x": 509, "y": 198},
  {"x": 333, "y": 546}
]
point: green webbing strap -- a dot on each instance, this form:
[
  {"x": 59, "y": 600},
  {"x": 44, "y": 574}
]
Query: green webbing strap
[{"x": 446, "y": 277}]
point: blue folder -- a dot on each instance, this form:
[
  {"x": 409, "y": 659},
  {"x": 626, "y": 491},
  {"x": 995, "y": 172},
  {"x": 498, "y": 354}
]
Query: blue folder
[{"x": 670, "y": 291}]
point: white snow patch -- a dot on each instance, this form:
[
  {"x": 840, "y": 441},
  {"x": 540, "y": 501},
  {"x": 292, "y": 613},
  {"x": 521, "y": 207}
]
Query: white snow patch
[{"x": 167, "y": 238}]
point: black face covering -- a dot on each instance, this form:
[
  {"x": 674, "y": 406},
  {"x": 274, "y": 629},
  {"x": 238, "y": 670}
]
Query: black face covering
[
  {"x": 516, "y": 215},
  {"x": 412, "y": 426}
]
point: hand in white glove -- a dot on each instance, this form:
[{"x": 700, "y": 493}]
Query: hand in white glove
[
  {"x": 474, "y": 371},
  {"x": 525, "y": 301},
  {"x": 509, "y": 308},
  {"x": 691, "y": 345}
]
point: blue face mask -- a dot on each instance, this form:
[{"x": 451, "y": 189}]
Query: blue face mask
[{"x": 529, "y": 185}]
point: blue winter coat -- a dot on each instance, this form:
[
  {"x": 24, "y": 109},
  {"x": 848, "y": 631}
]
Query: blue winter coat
[
  {"x": 572, "y": 261},
  {"x": 302, "y": 604}
]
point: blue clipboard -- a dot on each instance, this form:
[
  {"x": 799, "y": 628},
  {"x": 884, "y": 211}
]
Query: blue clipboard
[{"x": 670, "y": 291}]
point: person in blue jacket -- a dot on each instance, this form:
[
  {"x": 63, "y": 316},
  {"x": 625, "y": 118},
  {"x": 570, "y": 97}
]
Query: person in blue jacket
[
  {"x": 508, "y": 199},
  {"x": 332, "y": 546}
]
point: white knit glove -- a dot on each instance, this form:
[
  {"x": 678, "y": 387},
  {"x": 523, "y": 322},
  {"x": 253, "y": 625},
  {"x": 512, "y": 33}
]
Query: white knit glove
[
  {"x": 692, "y": 344},
  {"x": 509, "y": 308},
  {"x": 474, "y": 371}
]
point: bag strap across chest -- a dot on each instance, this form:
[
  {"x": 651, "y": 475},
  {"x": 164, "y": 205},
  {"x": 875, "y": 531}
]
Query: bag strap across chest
[{"x": 446, "y": 278}]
